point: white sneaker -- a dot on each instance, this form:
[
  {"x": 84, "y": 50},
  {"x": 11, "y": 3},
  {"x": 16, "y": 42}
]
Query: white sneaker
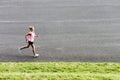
[
  {"x": 36, "y": 55},
  {"x": 19, "y": 50}
]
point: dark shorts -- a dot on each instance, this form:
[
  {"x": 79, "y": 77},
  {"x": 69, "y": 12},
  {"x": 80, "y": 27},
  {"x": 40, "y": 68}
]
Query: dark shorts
[{"x": 30, "y": 42}]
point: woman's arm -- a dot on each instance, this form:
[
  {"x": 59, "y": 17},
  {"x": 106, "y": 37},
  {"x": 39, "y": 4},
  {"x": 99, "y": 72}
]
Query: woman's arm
[
  {"x": 36, "y": 35},
  {"x": 26, "y": 37}
]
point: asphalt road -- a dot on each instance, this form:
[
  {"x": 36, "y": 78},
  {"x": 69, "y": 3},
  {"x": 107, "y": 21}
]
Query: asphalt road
[{"x": 70, "y": 30}]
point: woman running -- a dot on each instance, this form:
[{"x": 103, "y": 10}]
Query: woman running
[{"x": 29, "y": 37}]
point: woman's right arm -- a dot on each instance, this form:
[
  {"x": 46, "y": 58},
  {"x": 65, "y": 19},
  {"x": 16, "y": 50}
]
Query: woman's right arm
[{"x": 26, "y": 37}]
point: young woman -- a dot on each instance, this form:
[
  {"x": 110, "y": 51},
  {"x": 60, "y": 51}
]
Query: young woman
[{"x": 29, "y": 37}]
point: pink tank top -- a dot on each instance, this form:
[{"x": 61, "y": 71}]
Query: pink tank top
[{"x": 32, "y": 37}]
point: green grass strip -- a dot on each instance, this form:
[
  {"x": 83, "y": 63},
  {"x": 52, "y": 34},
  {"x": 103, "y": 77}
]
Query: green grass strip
[
  {"x": 57, "y": 76},
  {"x": 59, "y": 71}
]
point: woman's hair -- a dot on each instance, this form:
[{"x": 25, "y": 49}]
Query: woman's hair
[{"x": 31, "y": 28}]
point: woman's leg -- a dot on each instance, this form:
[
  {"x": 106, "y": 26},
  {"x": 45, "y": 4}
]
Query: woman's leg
[
  {"x": 27, "y": 46},
  {"x": 33, "y": 48},
  {"x": 34, "y": 51}
]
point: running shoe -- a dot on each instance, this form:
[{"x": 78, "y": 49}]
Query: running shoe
[
  {"x": 36, "y": 55},
  {"x": 19, "y": 50}
]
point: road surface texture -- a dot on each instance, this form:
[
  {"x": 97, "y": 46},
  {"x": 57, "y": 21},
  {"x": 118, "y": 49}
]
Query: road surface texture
[{"x": 70, "y": 30}]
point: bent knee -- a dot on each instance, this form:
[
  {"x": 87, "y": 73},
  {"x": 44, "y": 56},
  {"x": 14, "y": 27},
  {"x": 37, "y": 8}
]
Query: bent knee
[{"x": 27, "y": 46}]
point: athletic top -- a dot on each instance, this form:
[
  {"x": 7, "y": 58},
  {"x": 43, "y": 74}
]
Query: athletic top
[{"x": 32, "y": 37}]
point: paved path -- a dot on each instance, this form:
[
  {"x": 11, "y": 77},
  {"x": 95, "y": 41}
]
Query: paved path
[{"x": 70, "y": 30}]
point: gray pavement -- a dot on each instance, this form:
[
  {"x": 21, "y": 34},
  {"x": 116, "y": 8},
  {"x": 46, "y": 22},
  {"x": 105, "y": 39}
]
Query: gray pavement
[{"x": 70, "y": 30}]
